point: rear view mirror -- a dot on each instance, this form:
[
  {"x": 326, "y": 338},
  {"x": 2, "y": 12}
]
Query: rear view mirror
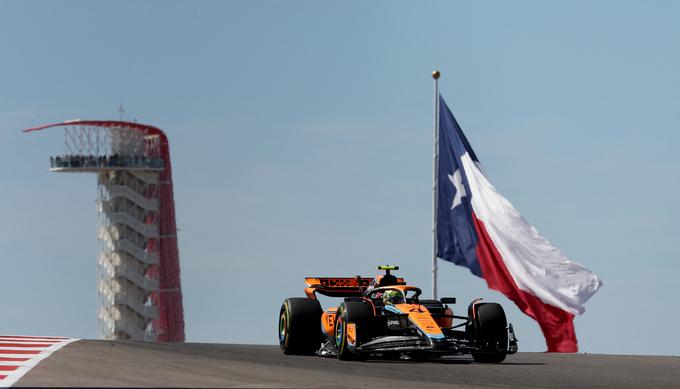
[{"x": 448, "y": 300}]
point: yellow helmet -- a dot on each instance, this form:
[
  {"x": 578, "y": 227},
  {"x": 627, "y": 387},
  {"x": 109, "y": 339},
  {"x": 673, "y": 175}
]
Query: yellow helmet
[{"x": 391, "y": 297}]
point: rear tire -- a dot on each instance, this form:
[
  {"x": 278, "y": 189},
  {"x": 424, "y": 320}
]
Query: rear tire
[
  {"x": 300, "y": 326},
  {"x": 490, "y": 333},
  {"x": 358, "y": 313}
]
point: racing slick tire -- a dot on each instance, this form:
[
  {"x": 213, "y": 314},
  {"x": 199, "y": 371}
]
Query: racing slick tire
[
  {"x": 299, "y": 326},
  {"x": 355, "y": 312},
  {"x": 489, "y": 332}
]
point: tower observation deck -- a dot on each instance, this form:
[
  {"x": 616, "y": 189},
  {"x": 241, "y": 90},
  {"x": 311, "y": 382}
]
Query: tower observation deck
[{"x": 140, "y": 295}]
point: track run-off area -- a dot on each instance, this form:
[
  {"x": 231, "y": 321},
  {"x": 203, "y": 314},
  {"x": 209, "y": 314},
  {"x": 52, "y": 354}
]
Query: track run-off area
[{"x": 96, "y": 363}]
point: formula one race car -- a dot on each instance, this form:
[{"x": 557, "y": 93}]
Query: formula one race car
[{"x": 382, "y": 317}]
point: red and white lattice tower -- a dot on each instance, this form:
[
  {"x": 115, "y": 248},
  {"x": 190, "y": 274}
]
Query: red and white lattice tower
[{"x": 138, "y": 266}]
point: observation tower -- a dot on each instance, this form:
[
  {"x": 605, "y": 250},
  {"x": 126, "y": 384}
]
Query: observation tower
[{"x": 140, "y": 295}]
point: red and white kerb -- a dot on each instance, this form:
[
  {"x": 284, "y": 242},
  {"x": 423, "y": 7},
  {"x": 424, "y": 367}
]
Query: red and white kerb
[{"x": 19, "y": 354}]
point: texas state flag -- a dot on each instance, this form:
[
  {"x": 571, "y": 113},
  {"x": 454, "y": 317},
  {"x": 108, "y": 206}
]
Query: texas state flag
[{"x": 479, "y": 229}]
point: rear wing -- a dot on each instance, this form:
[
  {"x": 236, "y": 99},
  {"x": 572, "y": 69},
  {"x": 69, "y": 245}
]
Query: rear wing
[{"x": 339, "y": 286}]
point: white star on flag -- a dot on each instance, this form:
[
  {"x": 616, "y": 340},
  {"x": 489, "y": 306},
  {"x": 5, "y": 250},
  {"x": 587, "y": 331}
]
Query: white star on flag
[{"x": 457, "y": 182}]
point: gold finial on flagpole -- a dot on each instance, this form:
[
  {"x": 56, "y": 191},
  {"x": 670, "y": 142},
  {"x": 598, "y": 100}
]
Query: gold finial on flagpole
[{"x": 436, "y": 74}]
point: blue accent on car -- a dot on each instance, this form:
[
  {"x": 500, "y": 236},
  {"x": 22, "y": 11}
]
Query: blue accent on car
[{"x": 393, "y": 309}]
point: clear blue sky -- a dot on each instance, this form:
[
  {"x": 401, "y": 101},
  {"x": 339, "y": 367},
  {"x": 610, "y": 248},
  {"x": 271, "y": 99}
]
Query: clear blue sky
[{"x": 301, "y": 142}]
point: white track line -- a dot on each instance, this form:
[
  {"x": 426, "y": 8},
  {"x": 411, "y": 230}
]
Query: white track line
[{"x": 51, "y": 344}]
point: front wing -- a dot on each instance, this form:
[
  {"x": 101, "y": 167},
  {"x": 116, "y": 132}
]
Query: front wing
[{"x": 454, "y": 343}]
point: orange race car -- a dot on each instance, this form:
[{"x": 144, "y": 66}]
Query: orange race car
[{"x": 383, "y": 317}]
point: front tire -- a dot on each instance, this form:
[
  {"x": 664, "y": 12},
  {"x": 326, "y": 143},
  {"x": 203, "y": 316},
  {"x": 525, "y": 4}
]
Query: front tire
[
  {"x": 359, "y": 314},
  {"x": 300, "y": 326},
  {"x": 490, "y": 333}
]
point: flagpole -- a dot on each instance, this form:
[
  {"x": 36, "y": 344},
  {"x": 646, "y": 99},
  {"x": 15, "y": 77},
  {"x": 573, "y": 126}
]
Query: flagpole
[{"x": 435, "y": 173}]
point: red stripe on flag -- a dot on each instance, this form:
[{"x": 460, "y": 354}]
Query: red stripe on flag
[
  {"x": 8, "y": 368},
  {"x": 8, "y": 359},
  {"x": 28, "y": 340},
  {"x": 557, "y": 325},
  {"x": 2, "y": 377},
  {"x": 20, "y": 351},
  {"x": 24, "y": 345}
]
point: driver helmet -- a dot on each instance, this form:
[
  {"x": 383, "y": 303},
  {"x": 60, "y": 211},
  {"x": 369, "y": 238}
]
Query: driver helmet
[{"x": 391, "y": 297}]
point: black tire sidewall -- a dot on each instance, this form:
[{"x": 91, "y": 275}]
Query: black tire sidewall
[
  {"x": 358, "y": 313},
  {"x": 303, "y": 326},
  {"x": 489, "y": 331}
]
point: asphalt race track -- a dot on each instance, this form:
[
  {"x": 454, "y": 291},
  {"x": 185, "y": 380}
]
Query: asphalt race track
[{"x": 116, "y": 364}]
